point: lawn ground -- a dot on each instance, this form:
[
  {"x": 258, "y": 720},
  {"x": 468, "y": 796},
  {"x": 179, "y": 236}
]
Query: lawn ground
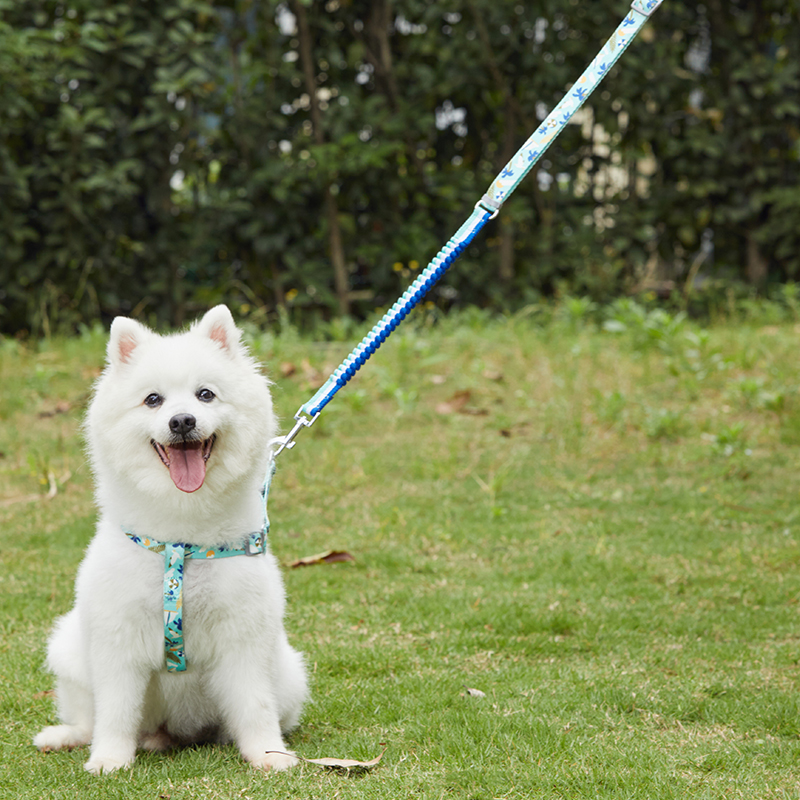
[{"x": 596, "y": 526}]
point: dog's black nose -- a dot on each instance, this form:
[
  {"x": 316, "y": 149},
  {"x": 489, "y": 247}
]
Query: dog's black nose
[{"x": 181, "y": 424}]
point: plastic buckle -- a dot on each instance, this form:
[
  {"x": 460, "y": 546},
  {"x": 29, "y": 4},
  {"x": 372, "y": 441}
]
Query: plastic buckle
[{"x": 646, "y": 7}]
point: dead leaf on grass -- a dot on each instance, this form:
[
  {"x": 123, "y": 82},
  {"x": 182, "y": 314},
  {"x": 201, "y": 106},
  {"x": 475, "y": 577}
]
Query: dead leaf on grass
[
  {"x": 493, "y": 375},
  {"x": 61, "y": 407},
  {"x": 328, "y": 557},
  {"x": 344, "y": 764},
  {"x": 455, "y": 404},
  {"x": 458, "y": 404},
  {"x": 312, "y": 375},
  {"x": 474, "y": 692},
  {"x": 45, "y": 694},
  {"x": 287, "y": 369}
]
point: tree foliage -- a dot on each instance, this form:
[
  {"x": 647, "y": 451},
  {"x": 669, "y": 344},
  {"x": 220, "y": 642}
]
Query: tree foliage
[{"x": 156, "y": 157}]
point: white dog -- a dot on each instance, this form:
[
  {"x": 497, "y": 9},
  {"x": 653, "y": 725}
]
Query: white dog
[{"x": 178, "y": 434}]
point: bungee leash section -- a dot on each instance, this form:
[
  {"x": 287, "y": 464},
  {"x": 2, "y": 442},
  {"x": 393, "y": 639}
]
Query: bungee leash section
[{"x": 485, "y": 209}]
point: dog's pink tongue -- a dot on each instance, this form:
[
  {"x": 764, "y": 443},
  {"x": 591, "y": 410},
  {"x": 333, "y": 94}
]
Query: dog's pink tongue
[{"x": 187, "y": 467}]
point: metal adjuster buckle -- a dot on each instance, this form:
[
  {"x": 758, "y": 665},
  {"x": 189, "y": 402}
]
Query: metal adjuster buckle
[{"x": 490, "y": 205}]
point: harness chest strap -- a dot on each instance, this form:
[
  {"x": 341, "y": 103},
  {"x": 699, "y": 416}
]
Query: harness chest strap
[{"x": 175, "y": 555}]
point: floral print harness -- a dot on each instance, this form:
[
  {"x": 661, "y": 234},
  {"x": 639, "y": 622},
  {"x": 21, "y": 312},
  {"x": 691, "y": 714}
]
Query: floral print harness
[
  {"x": 174, "y": 558},
  {"x": 175, "y": 555}
]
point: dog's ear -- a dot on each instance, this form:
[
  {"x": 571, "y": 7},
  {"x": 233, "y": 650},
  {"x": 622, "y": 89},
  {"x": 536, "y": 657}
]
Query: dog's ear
[
  {"x": 126, "y": 335},
  {"x": 218, "y": 325}
]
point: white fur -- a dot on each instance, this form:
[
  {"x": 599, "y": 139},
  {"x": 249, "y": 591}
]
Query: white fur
[{"x": 244, "y": 681}]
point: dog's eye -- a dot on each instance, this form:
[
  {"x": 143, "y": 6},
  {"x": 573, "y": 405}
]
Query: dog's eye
[
  {"x": 153, "y": 400},
  {"x": 205, "y": 395}
]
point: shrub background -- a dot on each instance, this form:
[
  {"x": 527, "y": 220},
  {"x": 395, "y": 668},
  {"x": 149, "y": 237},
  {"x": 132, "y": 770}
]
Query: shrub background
[{"x": 157, "y": 157}]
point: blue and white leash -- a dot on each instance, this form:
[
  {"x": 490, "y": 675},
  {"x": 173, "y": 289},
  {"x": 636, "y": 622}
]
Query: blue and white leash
[{"x": 485, "y": 209}]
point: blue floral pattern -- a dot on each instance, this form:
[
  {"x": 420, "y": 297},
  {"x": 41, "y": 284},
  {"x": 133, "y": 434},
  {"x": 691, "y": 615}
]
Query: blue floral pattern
[{"x": 531, "y": 151}]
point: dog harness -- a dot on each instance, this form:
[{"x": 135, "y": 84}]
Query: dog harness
[{"x": 175, "y": 555}]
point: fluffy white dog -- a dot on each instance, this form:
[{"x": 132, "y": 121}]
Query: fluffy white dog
[{"x": 178, "y": 434}]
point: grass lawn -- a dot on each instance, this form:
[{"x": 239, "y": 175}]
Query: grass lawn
[{"x": 597, "y": 528}]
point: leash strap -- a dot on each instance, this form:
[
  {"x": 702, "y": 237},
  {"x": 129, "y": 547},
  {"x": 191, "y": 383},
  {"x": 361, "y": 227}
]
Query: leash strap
[
  {"x": 485, "y": 209},
  {"x": 175, "y": 555},
  {"x": 522, "y": 162}
]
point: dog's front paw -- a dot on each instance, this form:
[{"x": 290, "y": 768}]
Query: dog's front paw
[
  {"x": 274, "y": 761},
  {"x": 102, "y": 764}
]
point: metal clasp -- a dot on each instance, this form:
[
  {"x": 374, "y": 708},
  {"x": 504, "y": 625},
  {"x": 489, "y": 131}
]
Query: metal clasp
[
  {"x": 287, "y": 442},
  {"x": 490, "y": 205},
  {"x": 255, "y": 544}
]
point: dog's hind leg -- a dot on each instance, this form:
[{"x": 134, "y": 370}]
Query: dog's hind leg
[
  {"x": 158, "y": 742},
  {"x": 73, "y": 696},
  {"x": 75, "y": 709}
]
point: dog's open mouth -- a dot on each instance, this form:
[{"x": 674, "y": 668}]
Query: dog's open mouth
[{"x": 186, "y": 461}]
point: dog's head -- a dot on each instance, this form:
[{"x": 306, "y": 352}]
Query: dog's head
[{"x": 180, "y": 411}]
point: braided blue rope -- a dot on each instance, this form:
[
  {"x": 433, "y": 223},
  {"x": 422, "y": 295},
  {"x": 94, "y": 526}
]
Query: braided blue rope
[
  {"x": 397, "y": 313},
  {"x": 487, "y": 208}
]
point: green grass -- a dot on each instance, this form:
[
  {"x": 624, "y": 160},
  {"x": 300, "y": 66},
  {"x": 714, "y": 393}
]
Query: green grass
[{"x": 600, "y": 532}]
